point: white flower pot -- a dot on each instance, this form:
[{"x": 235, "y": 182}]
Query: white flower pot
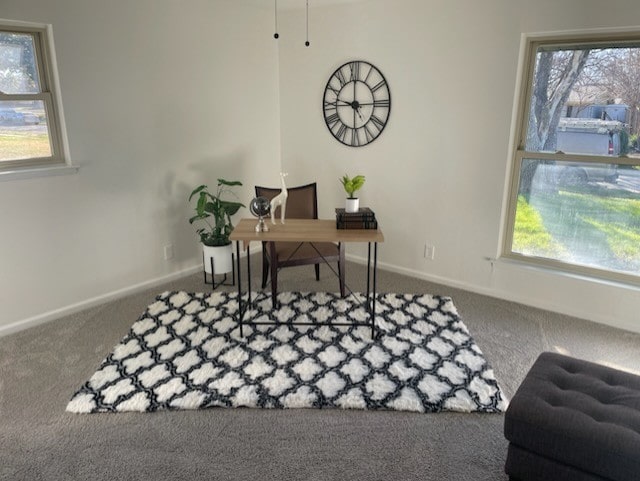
[
  {"x": 352, "y": 205},
  {"x": 222, "y": 258}
]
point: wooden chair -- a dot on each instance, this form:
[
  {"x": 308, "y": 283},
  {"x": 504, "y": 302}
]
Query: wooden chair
[{"x": 302, "y": 203}]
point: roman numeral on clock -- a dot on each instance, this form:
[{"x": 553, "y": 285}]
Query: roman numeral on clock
[
  {"x": 355, "y": 71},
  {"x": 379, "y": 85},
  {"x": 330, "y": 106},
  {"x": 341, "y": 78},
  {"x": 377, "y": 122},
  {"x": 369, "y": 136},
  {"x": 381, "y": 103},
  {"x": 332, "y": 120},
  {"x": 355, "y": 138}
]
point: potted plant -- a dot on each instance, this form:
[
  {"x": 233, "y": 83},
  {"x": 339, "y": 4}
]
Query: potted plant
[
  {"x": 215, "y": 235},
  {"x": 351, "y": 186}
]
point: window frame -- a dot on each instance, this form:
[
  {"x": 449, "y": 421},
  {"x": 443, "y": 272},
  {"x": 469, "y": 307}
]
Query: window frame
[
  {"x": 530, "y": 46},
  {"x": 49, "y": 95}
]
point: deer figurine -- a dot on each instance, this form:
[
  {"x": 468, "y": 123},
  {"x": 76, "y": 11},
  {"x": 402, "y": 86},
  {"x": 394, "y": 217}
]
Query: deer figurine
[{"x": 280, "y": 200}]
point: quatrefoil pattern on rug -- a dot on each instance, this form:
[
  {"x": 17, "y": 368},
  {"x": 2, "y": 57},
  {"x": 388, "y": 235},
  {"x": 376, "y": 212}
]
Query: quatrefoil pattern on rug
[{"x": 186, "y": 352}]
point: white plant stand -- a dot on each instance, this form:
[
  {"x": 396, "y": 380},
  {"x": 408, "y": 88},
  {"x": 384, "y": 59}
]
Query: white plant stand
[{"x": 218, "y": 260}]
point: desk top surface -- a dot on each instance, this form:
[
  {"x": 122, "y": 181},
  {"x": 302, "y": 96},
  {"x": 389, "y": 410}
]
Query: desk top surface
[{"x": 302, "y": 230}]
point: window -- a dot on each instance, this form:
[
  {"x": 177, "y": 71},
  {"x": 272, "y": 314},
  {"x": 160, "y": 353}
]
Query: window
[
  {"x": 30, "y": 134},
  {"x": 575, "y": 187}
]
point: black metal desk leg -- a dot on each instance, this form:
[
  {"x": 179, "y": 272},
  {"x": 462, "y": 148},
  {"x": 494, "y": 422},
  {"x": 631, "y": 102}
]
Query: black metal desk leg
[
  {"x": 240, "y": 309},
  {"x": 375, "y": 271},
  {"x": 368, "y": 272},
  {"x": 248, "y": 278},
  {"x": 274, "y": 275}
]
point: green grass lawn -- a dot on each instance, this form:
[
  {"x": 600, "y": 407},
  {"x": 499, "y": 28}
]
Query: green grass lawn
[
  {"x": 618, "y": 220},
  {"x": 530, "y": 237},
  {"x": 590, "y": 226},
  {"x": 16, "y": 146}
]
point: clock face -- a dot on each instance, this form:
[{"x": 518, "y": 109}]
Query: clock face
[{"x": 356, "y": 103}]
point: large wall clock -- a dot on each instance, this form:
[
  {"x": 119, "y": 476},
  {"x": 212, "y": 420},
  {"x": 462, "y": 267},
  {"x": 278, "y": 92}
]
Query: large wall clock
[{"x": 356, "y": 103}]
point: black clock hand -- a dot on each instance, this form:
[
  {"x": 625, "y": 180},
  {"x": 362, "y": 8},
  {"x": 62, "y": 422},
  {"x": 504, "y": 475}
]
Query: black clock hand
[
  {"x": 359, "y": 114},
  {"x": 354, "y": 90},
  {"x": 377, "y": 103}
]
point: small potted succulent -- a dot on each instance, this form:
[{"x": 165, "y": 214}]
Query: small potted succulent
[
  {"x": 351, "y": 186},
  {"x": 215, "y": 235}
]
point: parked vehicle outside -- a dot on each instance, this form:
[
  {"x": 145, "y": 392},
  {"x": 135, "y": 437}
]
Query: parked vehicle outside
[
  {"x": 579, "y": 173},
  {"x": 14, "y": 117},
  {"x": 30, "y": 119},
  {"x": 11, "y": 117}
]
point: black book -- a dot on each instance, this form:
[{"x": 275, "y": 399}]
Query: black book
[
  {"x": 356, "y": 224},
  {"x": 363, "y": 214}
]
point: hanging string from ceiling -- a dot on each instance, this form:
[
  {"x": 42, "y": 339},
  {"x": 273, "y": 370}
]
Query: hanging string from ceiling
[
  {"x": 275, "y": 15},
  {"x": 276, "y": 35},
  {"x": 306, "y": 44}
]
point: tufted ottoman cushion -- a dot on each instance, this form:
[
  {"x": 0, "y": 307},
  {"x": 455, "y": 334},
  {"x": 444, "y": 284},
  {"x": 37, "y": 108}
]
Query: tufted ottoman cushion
[{"x": 574, "y": 420}]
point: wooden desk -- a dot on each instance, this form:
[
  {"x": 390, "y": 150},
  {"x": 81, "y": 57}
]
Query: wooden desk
[
  {"x": 302, "y": 230},
  {"x": 305, "y": 230}
]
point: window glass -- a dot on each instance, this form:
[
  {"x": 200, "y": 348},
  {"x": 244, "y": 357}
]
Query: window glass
[
  {"x": 23, "y": 130},
  {"x": 575, "y": 199},
  {"x": 18, "y": 66},
  {"x": 581, "y": 213},
  {"x": 30, "y": 126},
  {"x": 584, "y": 101}
]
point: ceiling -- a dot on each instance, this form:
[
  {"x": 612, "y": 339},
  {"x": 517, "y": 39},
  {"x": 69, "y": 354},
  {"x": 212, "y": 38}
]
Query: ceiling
[
  {"x": 293, "y": 4},
  {"x": 312, "y": 3}
]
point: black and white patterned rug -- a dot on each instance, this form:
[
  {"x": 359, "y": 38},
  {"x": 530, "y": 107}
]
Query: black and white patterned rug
[{"x": 186, "y": 352}]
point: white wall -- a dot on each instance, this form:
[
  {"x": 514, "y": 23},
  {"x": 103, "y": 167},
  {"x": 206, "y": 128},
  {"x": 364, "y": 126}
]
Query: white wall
[
  {"x": 159, "y": 96},
  {"x": 144, "y": 136},
  {"x": 437, "y": 173}
]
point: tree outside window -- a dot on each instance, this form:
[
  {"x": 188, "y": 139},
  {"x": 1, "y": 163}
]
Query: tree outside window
[{"x": 575, "y": 200}]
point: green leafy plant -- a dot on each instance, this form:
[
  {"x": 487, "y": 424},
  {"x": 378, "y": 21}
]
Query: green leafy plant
[
  {"x": 352, "y": 185},
  {"x": 212, "y": 205}
]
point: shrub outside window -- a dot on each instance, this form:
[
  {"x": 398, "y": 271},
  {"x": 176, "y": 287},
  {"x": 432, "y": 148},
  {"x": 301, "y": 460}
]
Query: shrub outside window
[
  {"x": 30, "y": 133},
  {"x": 575, "y": 186}
]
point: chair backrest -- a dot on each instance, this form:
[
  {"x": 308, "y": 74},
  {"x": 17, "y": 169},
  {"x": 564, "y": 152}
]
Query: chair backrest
[{"x": 302, "y": 201}]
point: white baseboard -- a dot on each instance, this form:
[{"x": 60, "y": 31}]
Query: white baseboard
[
  {"x": 429, "y": 277},
  {"x": 503, "y": 295},
  {"x": 94, "y": 301},
  {"x": 73, "y": 308}
]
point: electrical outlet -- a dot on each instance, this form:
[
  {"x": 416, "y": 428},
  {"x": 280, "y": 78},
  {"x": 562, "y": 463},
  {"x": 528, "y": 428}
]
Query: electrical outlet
[
  {"x": 429, "y": 252},
  {"x": 168, "y": 252}
]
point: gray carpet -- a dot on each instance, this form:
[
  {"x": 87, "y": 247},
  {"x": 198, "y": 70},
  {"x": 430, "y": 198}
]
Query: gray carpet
[{"x": 40, "y": 369}]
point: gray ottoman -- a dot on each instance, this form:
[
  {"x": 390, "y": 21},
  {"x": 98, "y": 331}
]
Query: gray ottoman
[{"x": 574, "y": 420}]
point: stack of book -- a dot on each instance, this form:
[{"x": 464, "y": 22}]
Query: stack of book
[{"x": 363, "y": 219}]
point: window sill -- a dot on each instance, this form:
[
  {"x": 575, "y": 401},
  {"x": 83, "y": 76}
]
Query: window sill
[
  {"x": 547, "y": 269},
  {"x": 31, "y": 173}
]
